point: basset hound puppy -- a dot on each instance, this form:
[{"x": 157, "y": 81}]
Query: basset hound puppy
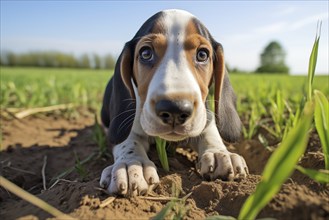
[{"x": 160, "y": 89}]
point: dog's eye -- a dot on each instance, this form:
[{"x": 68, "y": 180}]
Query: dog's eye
[
  {"x": 202, "y": 55},
  {"x": 146, "y": 54}
]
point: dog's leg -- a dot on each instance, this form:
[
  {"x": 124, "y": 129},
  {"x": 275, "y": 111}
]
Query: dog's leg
[
  {"x": 132, "y": 173},
  {"x": 215, "y": 161}
]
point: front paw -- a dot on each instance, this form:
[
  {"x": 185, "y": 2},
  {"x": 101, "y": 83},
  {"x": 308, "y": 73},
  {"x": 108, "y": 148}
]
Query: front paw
[
  {"x": 222, "y": 164},
  {"x": 132, "y": 177}
]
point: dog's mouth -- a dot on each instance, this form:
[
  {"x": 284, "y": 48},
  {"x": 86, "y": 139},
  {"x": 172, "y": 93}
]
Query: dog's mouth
[{"x": 173, "y": 136}]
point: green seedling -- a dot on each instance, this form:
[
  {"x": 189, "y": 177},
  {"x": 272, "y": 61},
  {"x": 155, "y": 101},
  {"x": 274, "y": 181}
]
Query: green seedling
[
  {"x": 79, "y": 168},
  {"x": 162, "y": 153},
  {"x": 277, "y": 113},
  {"x": 253, "y": 122},
  {"x": 164, "y": 212},
  {"x": 312, "y": 61},
  {"x": 100, "y": 138},
  {"x": 321, "y": 176},
  {"x": 280, "y": 166},
  {"x": 292, "y": 120},
  {"x": 321, "y": 102},
  {"x": 321, "y": 119},
  {"x": 175, "y": 209}
]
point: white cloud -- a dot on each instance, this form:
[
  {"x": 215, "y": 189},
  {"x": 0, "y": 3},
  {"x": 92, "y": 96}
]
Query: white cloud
[
  {"x": 308, "y": 20},
  {"x": 286, "y": 11},
  {"x": 258, "y": 32},
  {"x": 277, "y": 27},
  {"x": 270, "y": 28}
]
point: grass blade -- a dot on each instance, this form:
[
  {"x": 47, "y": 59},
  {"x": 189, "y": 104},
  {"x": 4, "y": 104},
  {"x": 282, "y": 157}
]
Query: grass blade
[
  {"x": 165, "y": 211},
  {"x": 321, "y": 176},
  {"x": 280, "y": 166},
  {"x": 322, "y": 123},
  {"x": 312, "y": 62},
  {"x": 99, "y": 137},
  {"x": 161, "y": 149}
]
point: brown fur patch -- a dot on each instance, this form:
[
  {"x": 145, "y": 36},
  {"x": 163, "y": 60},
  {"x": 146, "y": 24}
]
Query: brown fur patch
[
  {"x": 201, "y": 71},
  {"x": 219, "y": 72},
  {"x": 144, "y": 73},
  {"x": 125, "y": 69}
]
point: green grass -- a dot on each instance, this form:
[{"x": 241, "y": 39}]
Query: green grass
[
  {"x": 249, "y": 85},
  {"x": 280, "y": 166},
  {"x": 37, "y": 87},
  {"x": 322, "y": 123},
  {"x": 272, "y": 101},
  {"x": 162, "y": 153}
]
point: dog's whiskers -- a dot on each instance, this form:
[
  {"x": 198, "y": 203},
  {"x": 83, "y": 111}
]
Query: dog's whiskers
[
  {"x": 212, "y": 100},
  {"x": 129, "y": 99},
  {"x": 211, "y": 112},
  {"x": 127, "y": 124},
  {"x": 124, "y": 112},
  {"x": 129, "y": 120},
  {"x": 130, "y": 104}
]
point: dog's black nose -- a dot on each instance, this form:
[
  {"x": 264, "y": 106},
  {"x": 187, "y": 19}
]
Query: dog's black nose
[{"x": 174, "y": 112}]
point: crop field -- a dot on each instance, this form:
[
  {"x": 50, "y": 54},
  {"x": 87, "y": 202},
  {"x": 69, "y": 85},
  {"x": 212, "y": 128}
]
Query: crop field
[
  {"x": 52, "y": 146},
  {"x": 37, "y": 87}
]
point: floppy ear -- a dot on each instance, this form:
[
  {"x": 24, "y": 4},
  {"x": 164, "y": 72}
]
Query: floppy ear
[
  {"x": 126, "y": 68},
  {"x": 219, "y": 72},
  {"x": 118, "y": 102},
  {"x": 227, "y": 118}
]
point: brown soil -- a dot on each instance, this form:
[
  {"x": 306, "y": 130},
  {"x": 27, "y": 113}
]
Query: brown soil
[{"x": 26, "y": 143}]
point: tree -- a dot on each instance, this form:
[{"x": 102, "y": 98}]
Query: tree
[
  {"x": 109, "y": 62},
  {"x": 84, "y": 61},
  {"x": 11, "y": 59},
  {"x": 273, "y": 59},
  {"x": 97, "y": 61},
  {"x": 56, "y": 59}
]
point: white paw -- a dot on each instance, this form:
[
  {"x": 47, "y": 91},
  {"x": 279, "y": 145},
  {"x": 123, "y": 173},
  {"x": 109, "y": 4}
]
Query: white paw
[
  {"x": 132, "y": 177},
  {"x": 222, "y": 164}
]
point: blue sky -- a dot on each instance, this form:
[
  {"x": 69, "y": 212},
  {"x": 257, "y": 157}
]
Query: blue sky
[{"x": 243, "y": 27}]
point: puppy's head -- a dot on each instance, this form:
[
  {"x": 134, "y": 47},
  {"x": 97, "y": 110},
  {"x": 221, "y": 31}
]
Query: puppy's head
[{"x": 172, "y": 61}]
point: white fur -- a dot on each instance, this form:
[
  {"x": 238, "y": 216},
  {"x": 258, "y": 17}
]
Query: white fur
[
  {"x": 214, "y": 159},
  {"x": 173, "y": 76}
]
